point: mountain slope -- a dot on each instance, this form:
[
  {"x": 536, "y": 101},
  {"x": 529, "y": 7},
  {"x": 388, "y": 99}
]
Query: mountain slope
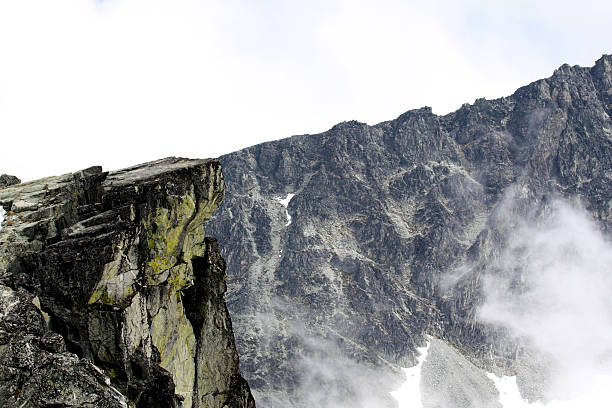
[{"x": 391, "y": 230}]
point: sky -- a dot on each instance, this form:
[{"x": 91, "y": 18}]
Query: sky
[{"x": 120, "y": 82}]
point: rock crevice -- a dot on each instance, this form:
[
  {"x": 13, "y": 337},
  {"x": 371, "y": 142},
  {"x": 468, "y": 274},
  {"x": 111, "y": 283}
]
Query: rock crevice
[{"x": 110, "y": 258}]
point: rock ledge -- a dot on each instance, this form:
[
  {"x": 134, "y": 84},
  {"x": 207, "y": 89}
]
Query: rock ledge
[{"x": 111, "y": 295}]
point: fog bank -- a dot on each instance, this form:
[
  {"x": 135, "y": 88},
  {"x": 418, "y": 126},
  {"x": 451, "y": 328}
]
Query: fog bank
[{"x": 550, "y": 288}]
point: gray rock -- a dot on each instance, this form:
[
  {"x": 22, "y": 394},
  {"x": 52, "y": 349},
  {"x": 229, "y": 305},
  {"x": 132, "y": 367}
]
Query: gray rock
[
  {"x": 130, "y": 291},
  {"x": 383, "y": 216},
  {"x": 449, "y": 380},
  {"x": 7, "y": 180},
  {"x": 35, "y": 368}
]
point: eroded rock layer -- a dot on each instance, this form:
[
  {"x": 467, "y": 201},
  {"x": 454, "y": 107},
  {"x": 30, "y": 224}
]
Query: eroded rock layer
[{"x": 111, "y": 293}]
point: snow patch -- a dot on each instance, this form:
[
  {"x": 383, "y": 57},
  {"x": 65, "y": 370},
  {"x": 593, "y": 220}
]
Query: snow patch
[
  {"x": 509, "y": 394},
  {"x": 597, "y": 395},
  {"x": 409, "y": 394},
  {"x": 2, "y": 213},
  {"x": 285, "y": 203}
]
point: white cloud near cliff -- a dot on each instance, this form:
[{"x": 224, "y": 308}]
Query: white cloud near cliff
[
  {"x": 117, "y": 82},
  {"x": 554, "y": 292}
]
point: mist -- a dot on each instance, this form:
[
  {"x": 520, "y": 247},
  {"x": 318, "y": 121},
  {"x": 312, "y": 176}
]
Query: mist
[
  {"x": 550, "y": 288},
  {"x": 333, "y": 378},
  {"x": 330, "y": 370}
]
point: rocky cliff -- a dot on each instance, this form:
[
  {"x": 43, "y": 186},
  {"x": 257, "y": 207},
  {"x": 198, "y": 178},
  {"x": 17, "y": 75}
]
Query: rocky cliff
[
  {"x": 332, "y": 294},
  {"x": 111, "y": 294}
]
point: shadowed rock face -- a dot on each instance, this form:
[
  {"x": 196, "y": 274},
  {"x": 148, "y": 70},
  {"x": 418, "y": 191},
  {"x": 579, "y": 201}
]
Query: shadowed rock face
[
  {"x": 112, "y": 295},
  {"x": 381, "y": 216}
]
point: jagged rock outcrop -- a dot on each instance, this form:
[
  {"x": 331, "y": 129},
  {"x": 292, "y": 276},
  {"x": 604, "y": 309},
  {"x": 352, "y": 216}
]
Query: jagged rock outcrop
[
  {"x": 7, "y": 180},
  {"x": 111, "y": 294},
  {"x": 381, "y": 215}
]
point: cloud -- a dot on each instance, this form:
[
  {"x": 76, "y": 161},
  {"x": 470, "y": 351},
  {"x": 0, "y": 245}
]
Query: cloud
[
  {"x": 331, "y": 377},
  {"x": 551, "y": 290}
]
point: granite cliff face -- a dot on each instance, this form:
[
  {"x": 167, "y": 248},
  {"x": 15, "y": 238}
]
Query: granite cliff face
[
  {"x": 111, "y": 295},
  {"x": 339, "y": 295}
]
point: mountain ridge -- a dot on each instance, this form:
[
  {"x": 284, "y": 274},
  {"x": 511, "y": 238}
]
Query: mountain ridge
[{"x": 382, "y": 213}]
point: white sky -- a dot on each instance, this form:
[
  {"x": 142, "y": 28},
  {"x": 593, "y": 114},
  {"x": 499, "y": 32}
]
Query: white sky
[{"x": 119, "y": 82}]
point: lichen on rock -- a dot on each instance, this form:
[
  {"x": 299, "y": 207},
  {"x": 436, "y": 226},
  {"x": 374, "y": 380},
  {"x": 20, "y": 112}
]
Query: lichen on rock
[{"x": 110, "y": 258}]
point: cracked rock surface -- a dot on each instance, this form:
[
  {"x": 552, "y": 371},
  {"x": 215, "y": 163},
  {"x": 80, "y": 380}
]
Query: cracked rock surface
[{"x": 112, "y": 295}]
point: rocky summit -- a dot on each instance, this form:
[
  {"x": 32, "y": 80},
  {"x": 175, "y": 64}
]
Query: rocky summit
[
  {"x": 347, "y": 249},
  {"x": 111, "y": 294}
]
